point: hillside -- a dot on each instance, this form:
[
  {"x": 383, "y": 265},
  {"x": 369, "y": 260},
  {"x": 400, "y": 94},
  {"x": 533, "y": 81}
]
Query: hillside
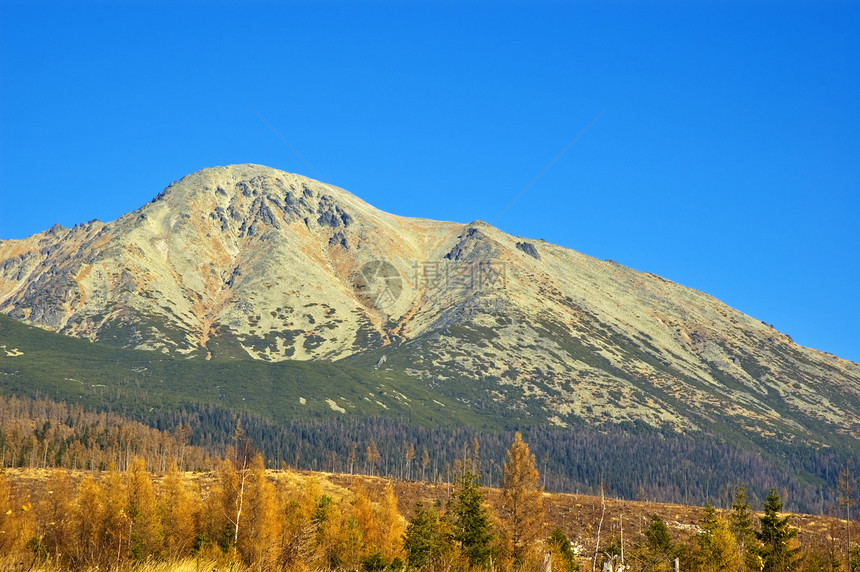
[{"x": 247, "y": 262}]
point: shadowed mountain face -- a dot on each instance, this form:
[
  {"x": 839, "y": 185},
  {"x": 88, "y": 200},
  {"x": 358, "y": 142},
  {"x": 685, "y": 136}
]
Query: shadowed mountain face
[{"x": 247, "y": 261}]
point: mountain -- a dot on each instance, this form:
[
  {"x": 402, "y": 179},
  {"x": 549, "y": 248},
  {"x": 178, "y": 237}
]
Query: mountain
[{"x": 247, "y": 262}]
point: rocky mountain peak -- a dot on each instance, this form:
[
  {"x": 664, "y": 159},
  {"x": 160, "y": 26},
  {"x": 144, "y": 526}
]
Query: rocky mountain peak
[{"x": 250, "y": 262}]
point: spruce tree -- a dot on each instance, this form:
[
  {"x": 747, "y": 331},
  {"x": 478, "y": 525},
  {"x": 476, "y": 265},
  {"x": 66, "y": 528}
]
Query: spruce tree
[
  {"x": 854, "y": 558},
  {"x": 741, "y": 526},
  {"x": 425, "y": 537},
  {"x": 775, "y": 536},
  {"x": 559, "y": 544},
  {"x": 705, "y": 538},
  {"x": 471, "y": 522},
  {"x": 659, "y": 548}
]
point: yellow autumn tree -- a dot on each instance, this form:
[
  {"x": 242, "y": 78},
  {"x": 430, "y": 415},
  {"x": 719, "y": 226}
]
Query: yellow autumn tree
[
  {"x": 373, "y": 456},
  {"x": 88, "y": 546},
  {"x": 57, "y": 512},
  {"x": 298, "y": 532},
  {"x": 348, "y": 539},
  {"x": 117, "y": 521},
  {"x": 362, "y": 509},
  {"x": 145, "y": 531},
  {"x": 391, "y": 524},
  {"x": 259, "y": 533},
  {"x": 178, "y": 511},
  {"x": 522, "y": 499},
  {"x": 218, "y": 512},
  {"x": 717, "y": 549}
]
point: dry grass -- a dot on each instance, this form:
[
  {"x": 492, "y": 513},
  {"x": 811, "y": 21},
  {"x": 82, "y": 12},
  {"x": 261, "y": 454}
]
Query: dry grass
[
  {"x": 191, "y": 565},
  {"x": 576, "y": 515}
]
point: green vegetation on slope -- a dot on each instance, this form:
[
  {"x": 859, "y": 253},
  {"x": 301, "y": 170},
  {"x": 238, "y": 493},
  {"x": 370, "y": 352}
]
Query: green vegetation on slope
[{"x": 38, "y": 363}]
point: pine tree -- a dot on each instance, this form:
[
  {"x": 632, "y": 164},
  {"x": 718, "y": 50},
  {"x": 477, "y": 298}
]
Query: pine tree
[
  {"x": 471, "y": 521},
  {"x": 741, "y": 526},
  {"x": 522, "y": 500},
  {"x": 776, "y": 535},
  {"x": 425, "y": 538},
  {"x": 559, "y": 545},
  {"x": 659, "y": 550}
]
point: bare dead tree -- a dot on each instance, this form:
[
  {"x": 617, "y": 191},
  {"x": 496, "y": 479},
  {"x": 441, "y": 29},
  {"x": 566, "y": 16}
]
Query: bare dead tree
[{"x": 599, "y": 526}]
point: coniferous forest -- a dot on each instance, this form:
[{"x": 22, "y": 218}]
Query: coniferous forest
[{"x": 631, "y": 463}]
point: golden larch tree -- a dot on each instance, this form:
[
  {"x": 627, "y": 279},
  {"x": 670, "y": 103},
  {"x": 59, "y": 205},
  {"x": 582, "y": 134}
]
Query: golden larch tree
[
  {"x": 117, "y": 522},
  {"x": 391, "y": 524},
  {"x": 373, "y": 456},
  {"x": 145, "y": 537},
  {"x": 522, "y": 499},
  {"x": 88, "y": 547},
  {"x": 57, "y": 512},
  {"x": 219, "y": 517},
  {"x": 362, "y": 509},
  {"x": 178, "y": 512},
  {"x": 260, "y": 532}
]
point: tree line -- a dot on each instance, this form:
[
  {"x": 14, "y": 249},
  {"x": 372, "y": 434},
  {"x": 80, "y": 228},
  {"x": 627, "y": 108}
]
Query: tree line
[
  {"x": 243, "y": 516},
  {"x": 41, "y": 433},
  {"x": 631, "y": 464}
]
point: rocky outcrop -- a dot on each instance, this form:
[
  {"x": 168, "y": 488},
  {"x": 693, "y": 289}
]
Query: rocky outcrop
[{"x": 529, "y": 249}]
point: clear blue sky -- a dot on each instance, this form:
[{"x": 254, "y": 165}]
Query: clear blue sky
[{"x": 726, "y": 158}]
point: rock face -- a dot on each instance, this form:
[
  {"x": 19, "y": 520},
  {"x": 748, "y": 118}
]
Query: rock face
[
  {"x": 247, "y": 261},
  {"x": 529, "y": 249}
]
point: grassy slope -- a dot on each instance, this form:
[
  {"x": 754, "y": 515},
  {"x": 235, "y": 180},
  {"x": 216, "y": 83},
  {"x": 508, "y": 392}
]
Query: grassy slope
[{"x": 106, "y": 377}]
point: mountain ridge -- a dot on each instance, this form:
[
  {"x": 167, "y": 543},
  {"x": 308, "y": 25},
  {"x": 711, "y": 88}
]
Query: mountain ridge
[{"x": 247, "y": 261}]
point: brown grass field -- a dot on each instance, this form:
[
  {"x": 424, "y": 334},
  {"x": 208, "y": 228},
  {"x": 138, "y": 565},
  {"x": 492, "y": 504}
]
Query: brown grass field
[{"x": 577, "y": 515}]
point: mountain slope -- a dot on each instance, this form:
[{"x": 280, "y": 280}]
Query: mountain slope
[{"x": 251, "y": 262}]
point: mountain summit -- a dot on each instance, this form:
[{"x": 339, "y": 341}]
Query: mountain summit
[{"x": 247, "y": 261}]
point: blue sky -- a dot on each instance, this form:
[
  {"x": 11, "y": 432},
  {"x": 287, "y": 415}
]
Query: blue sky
[{"x": 725, "y": 154}]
